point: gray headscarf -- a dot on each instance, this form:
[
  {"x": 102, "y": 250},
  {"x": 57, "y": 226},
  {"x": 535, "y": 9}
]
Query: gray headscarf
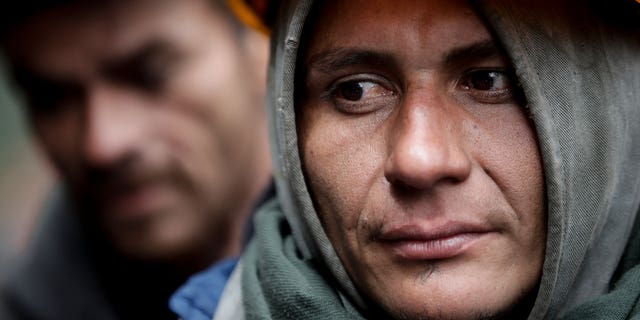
[{"x": 581, "y": 78}]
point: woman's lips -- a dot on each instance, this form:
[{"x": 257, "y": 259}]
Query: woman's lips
[{"x": 416, "y": 243}]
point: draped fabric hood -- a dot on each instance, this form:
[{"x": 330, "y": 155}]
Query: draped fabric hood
[{"x": 581, "y": 78}]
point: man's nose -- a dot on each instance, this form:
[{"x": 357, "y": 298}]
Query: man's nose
[
  {"x": 426, "y": 146},
  {"x": 112, "y": 127}
]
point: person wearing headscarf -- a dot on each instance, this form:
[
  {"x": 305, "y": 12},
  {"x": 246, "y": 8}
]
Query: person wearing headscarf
[{"x": 448, "y": 160}]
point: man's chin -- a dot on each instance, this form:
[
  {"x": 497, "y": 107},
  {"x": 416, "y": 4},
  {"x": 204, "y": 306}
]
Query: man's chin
[
  {"x": 151, "y": 246},
  {"x": 156, "y": 236}
]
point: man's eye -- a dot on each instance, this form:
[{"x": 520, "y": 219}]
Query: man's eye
[
  {"x": 48, "y": 97},
  {"x": 53, "y": 101},
  {"x": 151, "y": 78},
  {"x": 361, "y": 96},
  {"x": 149, "y": 72},
  {"x": 489, "y": 86},
  {"x": 488, "y": 80},
  {"x": 355, "y": 90}
]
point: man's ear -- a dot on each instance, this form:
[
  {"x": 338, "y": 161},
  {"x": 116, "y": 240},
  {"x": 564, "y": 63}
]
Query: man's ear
[{"x": 257, "y": 14}]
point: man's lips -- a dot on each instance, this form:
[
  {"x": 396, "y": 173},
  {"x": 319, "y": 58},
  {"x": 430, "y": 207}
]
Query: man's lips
[{"x": 415, "y": 242}]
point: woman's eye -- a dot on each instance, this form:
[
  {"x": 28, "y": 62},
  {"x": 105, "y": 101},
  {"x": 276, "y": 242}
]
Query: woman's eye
[
  {"x": 489, "y": 86},
  {"x": 361, "y": 96}
]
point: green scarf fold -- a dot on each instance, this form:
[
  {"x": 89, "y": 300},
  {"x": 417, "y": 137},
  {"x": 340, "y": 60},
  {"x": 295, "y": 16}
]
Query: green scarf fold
[
  {"x": 277, "y": 283},
  {"x": 623, "y": 301},
  {"x": 620, "y": 303}
]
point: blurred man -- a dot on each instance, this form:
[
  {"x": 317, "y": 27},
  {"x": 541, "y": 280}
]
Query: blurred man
[{"x": 152, "y": 113}]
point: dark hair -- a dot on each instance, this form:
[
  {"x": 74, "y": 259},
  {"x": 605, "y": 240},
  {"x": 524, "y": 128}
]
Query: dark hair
[
  {"x": 12, "y": 13},
  {"x": 621, "y": 13},
  {"x": 15, "y": 12}
]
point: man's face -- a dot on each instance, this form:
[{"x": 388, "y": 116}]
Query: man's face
[
  {"x": 421, "y": 160},
  {"x": 149, "y": 112}
]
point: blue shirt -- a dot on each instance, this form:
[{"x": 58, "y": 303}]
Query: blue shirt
[{"x": 198, "y": 298}]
